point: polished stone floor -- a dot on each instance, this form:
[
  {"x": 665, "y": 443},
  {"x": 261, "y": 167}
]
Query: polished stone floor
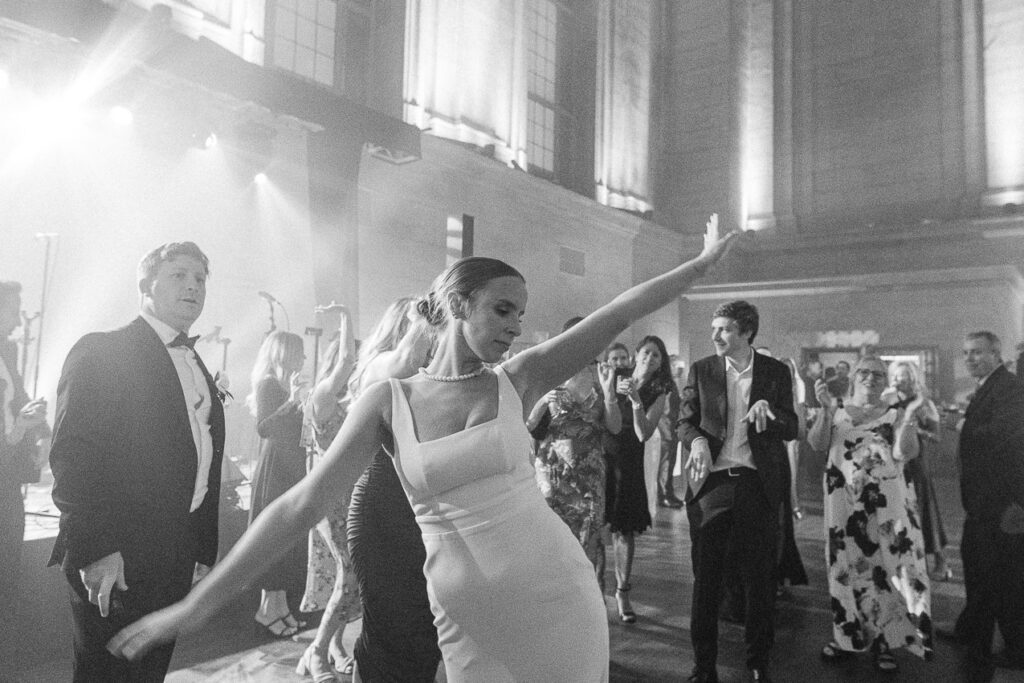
[{"x": 656, "y": 648}]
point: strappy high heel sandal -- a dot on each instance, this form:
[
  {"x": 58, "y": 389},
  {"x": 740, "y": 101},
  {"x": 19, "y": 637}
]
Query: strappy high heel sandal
[
  {"x": 626, "y": 613},
  {"x": 316, "y": 664},
  {"x": 342, "y": 662},
  {"x": 278, "y": 628}
]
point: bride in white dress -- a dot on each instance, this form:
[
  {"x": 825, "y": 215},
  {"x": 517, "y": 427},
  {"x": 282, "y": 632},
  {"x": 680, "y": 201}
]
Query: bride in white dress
[{"x": 513, "y": 595}]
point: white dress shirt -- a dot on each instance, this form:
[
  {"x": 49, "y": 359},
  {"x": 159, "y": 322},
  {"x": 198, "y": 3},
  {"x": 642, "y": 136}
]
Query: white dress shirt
[
  {"x": 197, "y": 401},
  {"x": 736, "y": 447}
]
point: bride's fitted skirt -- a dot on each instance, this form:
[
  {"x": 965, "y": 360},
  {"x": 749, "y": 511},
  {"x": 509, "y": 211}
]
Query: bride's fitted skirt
[{"x": 515, "y": 599}]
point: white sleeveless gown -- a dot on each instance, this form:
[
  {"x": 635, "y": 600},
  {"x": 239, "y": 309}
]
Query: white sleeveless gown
[{"x": 513, "y": 595}]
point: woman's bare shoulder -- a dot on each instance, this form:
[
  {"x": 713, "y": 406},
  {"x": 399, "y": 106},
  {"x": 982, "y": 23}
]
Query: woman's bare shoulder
[{"x": 375, "y": 398}]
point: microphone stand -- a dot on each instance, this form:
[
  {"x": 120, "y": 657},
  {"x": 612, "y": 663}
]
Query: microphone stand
[
  {"x": 273, "y": 325},
  {"x": 224, "y": 341},
  {"x": 26, "y": 339},
  {"x": 315, "y": 332},
  {"x": 48, "y": 238},
  {"x": 215, "y": 337},
  {"x": 287, "y": 320},
  {"x": 271, "y": 302}
]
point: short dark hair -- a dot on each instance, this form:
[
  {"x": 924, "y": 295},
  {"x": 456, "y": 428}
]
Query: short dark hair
[
  {"x": 616, "y": 346},
  {"x": 150, "y": 263},
  {"x": 990, "y": 337},
  {"x": 8, "y": 290},
  {"x": 843, "y": 362},
  {"x": 745, "y": 315}
]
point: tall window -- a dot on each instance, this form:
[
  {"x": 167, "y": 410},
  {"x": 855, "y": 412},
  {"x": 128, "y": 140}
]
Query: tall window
[
  {"x": 560, "y": 54},
  {"x": 542, "y": 56},
  {"x": 304, "y": 38},
  {"x": 356, "y": 28}
]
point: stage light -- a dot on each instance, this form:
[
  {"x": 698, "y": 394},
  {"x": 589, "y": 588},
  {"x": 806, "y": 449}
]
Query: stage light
[
  {"x": 203, "y": 137},
  {"x": 260, "y": 178},
  {"x": 121, "y": 115}
]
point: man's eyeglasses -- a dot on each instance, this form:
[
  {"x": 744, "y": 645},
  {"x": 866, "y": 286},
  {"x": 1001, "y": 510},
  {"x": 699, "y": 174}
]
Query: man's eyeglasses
[{"x": 864, "y": 374}]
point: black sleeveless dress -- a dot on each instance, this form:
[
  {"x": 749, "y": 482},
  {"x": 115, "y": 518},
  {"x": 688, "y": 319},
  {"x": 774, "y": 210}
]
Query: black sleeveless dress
[
  {"x": 398, "y": 643},
  {"x": 626, "y": 508}
]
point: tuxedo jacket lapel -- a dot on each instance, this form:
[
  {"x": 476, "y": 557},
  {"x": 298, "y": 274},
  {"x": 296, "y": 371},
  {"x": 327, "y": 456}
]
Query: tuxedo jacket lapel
[
  {"x": 157, "y": 364},
  {"x": 985, "y": 391},
  {"x": 758, "y": 380},
  {"x": 721, "y": 394},
  {"x": 216, "y": 407}
]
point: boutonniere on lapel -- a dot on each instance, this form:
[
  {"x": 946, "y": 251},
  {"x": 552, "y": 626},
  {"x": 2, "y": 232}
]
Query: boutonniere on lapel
[{"x": 221, "y": 382}]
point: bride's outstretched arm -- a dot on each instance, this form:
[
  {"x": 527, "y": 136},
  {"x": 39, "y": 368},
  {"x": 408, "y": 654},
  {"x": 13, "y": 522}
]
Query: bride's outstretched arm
[
  {"x": 273, "y": 531},
  {"x": 537, "y": 369}
]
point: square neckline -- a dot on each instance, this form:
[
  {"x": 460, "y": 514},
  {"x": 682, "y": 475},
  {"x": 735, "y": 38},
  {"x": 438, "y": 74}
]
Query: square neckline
[{"x": 498, "y": 372}]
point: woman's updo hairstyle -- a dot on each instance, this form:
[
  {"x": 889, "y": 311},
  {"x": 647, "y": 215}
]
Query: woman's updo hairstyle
[{"x": 464, "y": 278}]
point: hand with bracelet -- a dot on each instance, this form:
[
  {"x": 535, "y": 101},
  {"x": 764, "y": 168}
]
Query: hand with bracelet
[{"x": 633, "y": 394}]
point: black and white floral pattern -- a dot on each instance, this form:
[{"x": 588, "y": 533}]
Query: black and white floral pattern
[{"x": 877, "y": 576}]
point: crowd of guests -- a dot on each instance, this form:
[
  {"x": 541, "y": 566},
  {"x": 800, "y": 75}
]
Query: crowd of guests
[{"x": 462, "y": 500}]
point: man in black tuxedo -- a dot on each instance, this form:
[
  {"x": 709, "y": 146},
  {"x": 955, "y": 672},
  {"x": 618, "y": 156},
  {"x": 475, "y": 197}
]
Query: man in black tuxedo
[
  {"x": 992, "y": 492},
  {"x": 740, "y": 416},
  {"x": 136, "y": 458}
]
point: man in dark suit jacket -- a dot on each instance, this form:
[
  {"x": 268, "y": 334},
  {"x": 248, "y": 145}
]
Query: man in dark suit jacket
[
  {"x": 136, "y": 458},
  {"x": 741, "y": 413},
  {"x": 992, "y": 492}
]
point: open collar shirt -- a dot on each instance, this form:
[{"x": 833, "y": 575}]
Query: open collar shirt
[{"x": 736, "y": 447}]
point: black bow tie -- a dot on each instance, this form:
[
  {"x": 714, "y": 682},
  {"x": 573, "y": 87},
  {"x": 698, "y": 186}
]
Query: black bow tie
[{"x": 183, "y": 340}]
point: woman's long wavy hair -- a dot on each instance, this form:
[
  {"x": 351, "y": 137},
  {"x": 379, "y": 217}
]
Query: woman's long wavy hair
[
  {"x": 917, "y": 385},
  {"x": 280, "y": 350},
  {"x": 389, "y": 331},
  {"x": 661, "y": 381}
]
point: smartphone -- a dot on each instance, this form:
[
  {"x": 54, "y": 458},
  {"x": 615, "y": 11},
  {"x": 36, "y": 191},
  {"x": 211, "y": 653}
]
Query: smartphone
[{"x": 621, "y": 374}]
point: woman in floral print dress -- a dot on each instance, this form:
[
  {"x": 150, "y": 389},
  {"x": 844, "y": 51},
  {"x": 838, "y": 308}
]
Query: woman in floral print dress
[
  {"x": 330, "y": 582},
  {"x": 877, "y": 575},
  {"x": 570, "y": 459}
]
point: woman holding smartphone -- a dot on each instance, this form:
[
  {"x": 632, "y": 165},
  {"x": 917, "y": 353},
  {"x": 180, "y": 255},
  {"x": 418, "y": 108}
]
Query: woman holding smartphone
[{"x": 642, "y": 398}]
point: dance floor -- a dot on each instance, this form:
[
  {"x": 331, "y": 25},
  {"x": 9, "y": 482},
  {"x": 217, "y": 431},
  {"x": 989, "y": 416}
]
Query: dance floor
[{"x": 656, "y": 648}]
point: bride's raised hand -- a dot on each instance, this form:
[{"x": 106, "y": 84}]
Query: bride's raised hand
[
  {"x": 606, "y": 376},
  {"x": 156, "y": 628},
  {"x": 715, "y": 244}
]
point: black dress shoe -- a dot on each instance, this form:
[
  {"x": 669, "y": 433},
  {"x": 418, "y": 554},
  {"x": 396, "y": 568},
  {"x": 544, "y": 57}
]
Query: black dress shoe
[
  {"x": 703, "y": 677},
  {"x": 1003, "y": 660},
  {"x": 950, "y": 635},
  {"x": 978, "y": 673},
  {"x": 759, "y": 676},
  {"x": 667, "y": 502}
]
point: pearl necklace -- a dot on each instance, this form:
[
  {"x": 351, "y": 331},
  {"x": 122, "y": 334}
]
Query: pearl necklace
[{"x": 453, "y": 378}]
